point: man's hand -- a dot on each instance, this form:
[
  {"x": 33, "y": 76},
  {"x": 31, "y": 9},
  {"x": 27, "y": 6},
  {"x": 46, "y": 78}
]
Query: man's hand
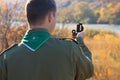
[{"x": 81, "y": 34}]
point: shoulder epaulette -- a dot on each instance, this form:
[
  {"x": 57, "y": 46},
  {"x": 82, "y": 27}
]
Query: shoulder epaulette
[
  {"x": 69, "y": 39},
  {"x": 11, "y": 47}
]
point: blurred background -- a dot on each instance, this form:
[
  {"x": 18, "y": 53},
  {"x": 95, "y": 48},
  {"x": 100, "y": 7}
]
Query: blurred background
[{"x": 101, "y": 19}]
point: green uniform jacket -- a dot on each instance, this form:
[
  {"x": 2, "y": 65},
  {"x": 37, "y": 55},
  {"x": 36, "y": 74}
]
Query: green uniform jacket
[{"x": 55, "y": 60}]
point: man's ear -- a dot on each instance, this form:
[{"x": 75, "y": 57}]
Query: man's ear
[{"x": 50, "y": 17}]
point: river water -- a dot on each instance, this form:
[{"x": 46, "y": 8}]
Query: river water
[
  {"x": 113, "y": 28},
  {"x": 108, "y": 27}
]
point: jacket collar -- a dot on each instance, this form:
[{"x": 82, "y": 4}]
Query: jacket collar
[{"x": 38, "y": 30}]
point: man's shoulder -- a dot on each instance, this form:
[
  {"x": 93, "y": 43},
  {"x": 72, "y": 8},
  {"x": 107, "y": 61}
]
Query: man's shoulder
[
  {"x": 61, "y": 41},
  {"x": 10, "y": 49}
]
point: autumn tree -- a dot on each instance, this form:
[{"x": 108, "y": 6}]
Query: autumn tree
[
  {"x": 109, "y": 14},
  {"x": 10, "y": 12},
  {"x": 116, "y": 12},
  {"x": 65, "y": 15},
  {"x": 83, "y": 13},
  {"x": 106, "y": 14}
]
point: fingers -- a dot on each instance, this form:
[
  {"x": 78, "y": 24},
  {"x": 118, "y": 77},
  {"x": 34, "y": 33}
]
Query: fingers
[{"x": 81, "y": 34}]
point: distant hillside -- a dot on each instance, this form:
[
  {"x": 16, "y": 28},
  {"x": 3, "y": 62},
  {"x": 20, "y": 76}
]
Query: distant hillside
[
  {"x": 96, "y": 4},
  {"x": 87, "y": 11}
]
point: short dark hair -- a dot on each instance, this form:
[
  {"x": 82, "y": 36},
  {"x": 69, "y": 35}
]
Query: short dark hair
[{"x": 38, "y": 9}]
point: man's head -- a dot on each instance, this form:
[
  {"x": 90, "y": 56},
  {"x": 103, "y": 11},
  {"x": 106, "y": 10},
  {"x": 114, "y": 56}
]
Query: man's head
[{"x": 41, "y": 13}]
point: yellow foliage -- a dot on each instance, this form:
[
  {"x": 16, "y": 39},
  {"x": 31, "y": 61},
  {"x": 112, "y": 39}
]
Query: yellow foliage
[{"x": 109, "y": 72}]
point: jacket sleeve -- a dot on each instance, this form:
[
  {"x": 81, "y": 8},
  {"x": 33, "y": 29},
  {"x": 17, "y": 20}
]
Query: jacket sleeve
[
  {"x": 84, "y": 66},
  {"x": 2, "y": 68}
]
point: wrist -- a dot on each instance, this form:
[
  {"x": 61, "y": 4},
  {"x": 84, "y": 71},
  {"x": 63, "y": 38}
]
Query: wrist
[{"x": 80, "y": 40}]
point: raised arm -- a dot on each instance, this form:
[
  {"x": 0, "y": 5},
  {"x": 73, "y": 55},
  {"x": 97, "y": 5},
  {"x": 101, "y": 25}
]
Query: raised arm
[{"x": 84, "y": 66}]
